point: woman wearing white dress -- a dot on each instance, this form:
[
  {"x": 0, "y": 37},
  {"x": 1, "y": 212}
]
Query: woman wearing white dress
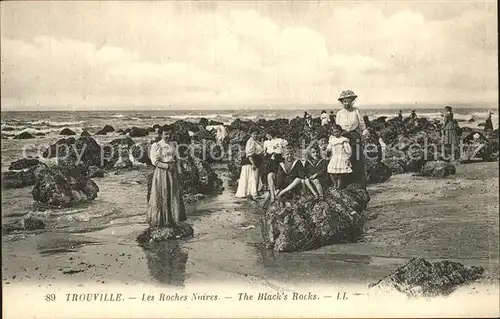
[
  {"x": 249, "y": 182},
  {"x": 352, "y": 123},
  {"x": 340, "y": 160}
]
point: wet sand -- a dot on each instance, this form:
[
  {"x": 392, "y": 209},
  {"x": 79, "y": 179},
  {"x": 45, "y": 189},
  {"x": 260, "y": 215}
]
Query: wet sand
[{"x": 454, "y": 218}]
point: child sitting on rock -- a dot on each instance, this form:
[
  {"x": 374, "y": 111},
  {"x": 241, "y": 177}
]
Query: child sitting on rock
[
  {"x": 292, "y": 173},
  {"x": 340, "y": 163},
  {"x": 317, "y": 170}
]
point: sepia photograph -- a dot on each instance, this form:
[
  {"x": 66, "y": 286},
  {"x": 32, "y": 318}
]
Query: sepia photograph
[{"x": 222, "y": 159}]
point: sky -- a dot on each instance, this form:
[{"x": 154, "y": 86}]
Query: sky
[{"x": 148, "y": 55}]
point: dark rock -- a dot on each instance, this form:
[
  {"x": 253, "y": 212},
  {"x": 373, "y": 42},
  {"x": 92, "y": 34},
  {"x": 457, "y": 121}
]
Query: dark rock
[
  {"x": 438, "y": 169},
  {"x": 95, "y": 172},
  {"x": 161, "y": 234},
  {"x": 24, "y": 163},
  {"x": 420, "y": 278},
  {"x": 67, "y": 131},
  {"x": 140, "y": 152},
  {"x": 85, "y": 133},
  {"x": 63, "y": 187},
  {"x": 23, "y": 136},
  {"x": 83, "y": 151},
  {"x": 376, "y": 172},
  {"x": 40, "y": 134},
  {"x": 105, "y": 130},
  {"x": 304, "y": 223},
  {"x": 137, "y": 132},
  {"x": 22, "y": 178},
  {"x": 395, "y": 166},
  {"x": 25, "y": 224}
]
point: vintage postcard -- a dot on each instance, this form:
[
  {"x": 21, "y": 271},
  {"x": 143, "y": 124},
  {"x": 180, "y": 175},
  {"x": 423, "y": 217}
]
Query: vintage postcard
[{"x": 222, "y": 159}]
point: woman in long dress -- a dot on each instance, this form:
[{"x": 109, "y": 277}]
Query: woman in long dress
[
  {"x": 450, "y": 138},
  {"x": 354, "y": 127},
  {"x": 165, "y": 205},
  {"x": 249, "y": 182}
]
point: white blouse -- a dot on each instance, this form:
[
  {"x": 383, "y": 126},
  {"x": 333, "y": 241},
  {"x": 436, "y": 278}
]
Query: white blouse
[
  {"x": 275, "y": 146},
  {"x": 350, "y": 120},
  {"x": 162, "y": 152}
]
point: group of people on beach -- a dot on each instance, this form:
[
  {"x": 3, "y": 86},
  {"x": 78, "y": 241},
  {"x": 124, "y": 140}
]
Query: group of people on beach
[{"x": 332, "y": 162}]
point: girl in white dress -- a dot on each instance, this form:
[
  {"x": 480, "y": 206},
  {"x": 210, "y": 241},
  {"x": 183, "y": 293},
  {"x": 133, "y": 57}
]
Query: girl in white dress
[{"x": 341, "y": 152}]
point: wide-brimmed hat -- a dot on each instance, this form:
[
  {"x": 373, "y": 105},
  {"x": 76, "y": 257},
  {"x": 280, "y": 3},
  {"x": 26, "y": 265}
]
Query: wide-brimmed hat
[{"x": 347, "y": 94}]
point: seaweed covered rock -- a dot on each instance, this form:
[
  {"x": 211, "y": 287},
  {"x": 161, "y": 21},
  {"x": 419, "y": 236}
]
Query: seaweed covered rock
[
  {"x": 95, "y": 172},
  {"x": 63, "y": 187},
  {"x": 24, "y": 163},
  {"x": 24, "y": 224},
  {"x": 376, "y": 172},
  {"x": 420, "y": 278},
  {"x": 22, "y": 178},
  {"x": 236, "y": 156},
  {"x": 161, "y": 234},
  {"x": 105, "y": 130},
  {"x": 438, "y": 169},
  {"x": 24, "y": 136},
  {"x": 137, "y": 132},
  {"x": 67, "y": 131},
  {"x": 85, "y": 133},
  {"x": 83, "y": 151},
  {"x": 477, "y": 147},
  {"x": 396, "y": 166},
  {"x": 304, "y": 223},
  {"x": 140, "y": 153}
]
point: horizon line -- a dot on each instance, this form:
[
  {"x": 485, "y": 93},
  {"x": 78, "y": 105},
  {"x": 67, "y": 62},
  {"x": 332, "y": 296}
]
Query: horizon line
[{"x": 244, "y": 107}]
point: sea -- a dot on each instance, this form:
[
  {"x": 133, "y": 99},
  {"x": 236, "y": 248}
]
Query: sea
[{"x": 52, "y": 122}]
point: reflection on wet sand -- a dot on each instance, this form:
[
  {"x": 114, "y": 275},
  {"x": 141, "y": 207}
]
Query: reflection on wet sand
[{"x": 167, "y": 262}]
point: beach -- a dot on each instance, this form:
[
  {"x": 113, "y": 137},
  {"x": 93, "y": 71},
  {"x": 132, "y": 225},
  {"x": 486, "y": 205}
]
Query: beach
[
  {"x": 92, "y": 245},
  {"x": 455, "y": 218}
]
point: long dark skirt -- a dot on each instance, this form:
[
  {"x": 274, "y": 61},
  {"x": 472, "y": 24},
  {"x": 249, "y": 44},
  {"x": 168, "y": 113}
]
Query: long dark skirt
[
  {"x": 165, "y": 206},
  {"x": 450, "y": 137},
  {"x": 357, "y": 159}
]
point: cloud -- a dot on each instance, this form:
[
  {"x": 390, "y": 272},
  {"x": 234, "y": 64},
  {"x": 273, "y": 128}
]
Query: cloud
[{"x": 181, "y": 54}]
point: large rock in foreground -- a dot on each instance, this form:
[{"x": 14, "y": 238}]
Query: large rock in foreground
[
  {"x": 438, "y": 169},
  {"x": 161, "y": 234},
  {"x": 63, "y": 187},
  {"x": 420, "y": 278},
  {"x": 305, "y": 223}
]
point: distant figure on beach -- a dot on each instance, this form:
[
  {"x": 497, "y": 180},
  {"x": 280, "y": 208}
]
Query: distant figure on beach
[
  {"x": 351, "y": 121},
  {"x": 317, "y": 170},
  {"x": 325, "y": 118},
  {"x": 340, "y": 160},
  {"x": 165, "y": 206},
  {"x": 400, "y": 115},
  {"x": 292, "y": 173},
  {"x": 249, "y": 182},
  {"x": 450, "y": 139},
  {"x": 413, "y": 115},
  {"x": 332, "y": 117},
  {"x": 306, "y": 115},
  {"x": 220, "y": 132},
  {"x": 488, "y": 127},
  {"x": 273, "y": 148}
]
